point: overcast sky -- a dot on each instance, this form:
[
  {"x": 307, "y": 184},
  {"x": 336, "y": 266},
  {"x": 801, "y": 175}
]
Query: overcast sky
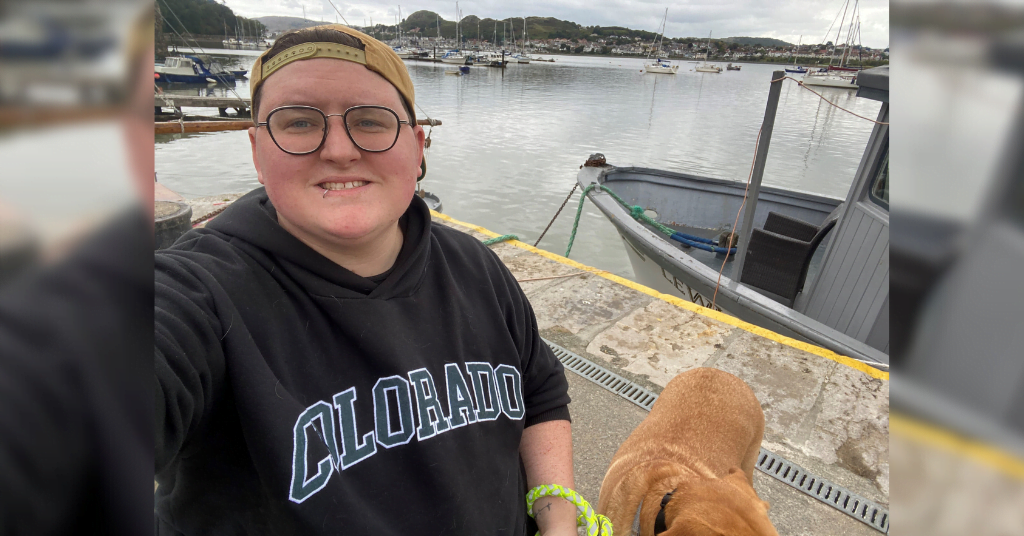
[{"x": 783, "y": 19}]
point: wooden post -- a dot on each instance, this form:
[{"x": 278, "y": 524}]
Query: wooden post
[{"x": 747, "y": 228}]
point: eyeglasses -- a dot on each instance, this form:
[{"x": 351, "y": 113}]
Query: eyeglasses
[{"x": 300, "y": 130}]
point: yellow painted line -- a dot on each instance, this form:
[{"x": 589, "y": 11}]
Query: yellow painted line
[
  {"x": 921, "y": 432},
  {"x": 689, "y": 306}
]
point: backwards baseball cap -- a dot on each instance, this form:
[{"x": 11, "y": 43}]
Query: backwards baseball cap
[{"x": 376, "y": 56}]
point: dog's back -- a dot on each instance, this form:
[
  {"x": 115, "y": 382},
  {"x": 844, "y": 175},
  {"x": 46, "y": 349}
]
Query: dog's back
[{"x": 703, "y": 432}]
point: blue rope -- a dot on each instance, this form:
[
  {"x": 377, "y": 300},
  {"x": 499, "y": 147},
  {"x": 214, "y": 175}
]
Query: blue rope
[{"x": 713, "y": 247}]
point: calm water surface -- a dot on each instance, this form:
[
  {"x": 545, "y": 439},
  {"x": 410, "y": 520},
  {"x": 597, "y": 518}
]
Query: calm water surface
[{"x": 512, "y": 143}]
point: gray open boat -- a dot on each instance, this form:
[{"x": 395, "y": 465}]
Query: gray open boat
[{"x": 815, "y": 268}]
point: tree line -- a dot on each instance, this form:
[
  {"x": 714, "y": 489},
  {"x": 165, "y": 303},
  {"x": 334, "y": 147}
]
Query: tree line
[{"x": 206, "y": 17}]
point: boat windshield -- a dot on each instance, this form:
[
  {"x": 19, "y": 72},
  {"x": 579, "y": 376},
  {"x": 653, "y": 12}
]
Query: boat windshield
[{"x": 880, "y": 187}]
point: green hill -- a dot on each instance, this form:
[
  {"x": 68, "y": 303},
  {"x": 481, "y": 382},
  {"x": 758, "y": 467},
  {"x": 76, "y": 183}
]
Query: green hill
[
  {"x": 757, "y": 41},
  {"x": 205, "y": 17},
  {"x": 284, "y": 24}
]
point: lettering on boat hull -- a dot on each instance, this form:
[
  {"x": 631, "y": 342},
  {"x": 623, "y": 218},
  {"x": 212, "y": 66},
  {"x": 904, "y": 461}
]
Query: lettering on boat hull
[{"x": 650, "y": 273}]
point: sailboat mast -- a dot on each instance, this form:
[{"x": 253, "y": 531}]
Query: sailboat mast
[
  {"x": 835, "y": 44},
  {"x": 849, "y": 35}
]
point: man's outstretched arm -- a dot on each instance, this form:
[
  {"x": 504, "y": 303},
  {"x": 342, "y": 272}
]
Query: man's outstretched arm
[{"x": 546, "y": 449}]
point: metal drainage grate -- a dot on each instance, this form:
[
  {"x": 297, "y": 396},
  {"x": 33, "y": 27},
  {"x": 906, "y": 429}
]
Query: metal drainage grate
[
  {"x": 769, "y": 463},
  {"x": 604, "y": 377},
  {"x": 831, "y": 494}
]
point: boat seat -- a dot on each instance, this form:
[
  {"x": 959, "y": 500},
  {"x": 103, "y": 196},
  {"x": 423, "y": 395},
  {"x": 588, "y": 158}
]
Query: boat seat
[{"x": 778, "y": 255}]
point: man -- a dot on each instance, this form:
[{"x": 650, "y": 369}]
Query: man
[{"x": 327, "y": 361}]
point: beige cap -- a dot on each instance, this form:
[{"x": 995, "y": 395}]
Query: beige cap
[{"x": 377, "y": 57}]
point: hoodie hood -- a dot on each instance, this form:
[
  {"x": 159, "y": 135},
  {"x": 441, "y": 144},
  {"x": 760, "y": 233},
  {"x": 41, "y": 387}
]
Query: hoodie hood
[{"x": 252, "y": 219}]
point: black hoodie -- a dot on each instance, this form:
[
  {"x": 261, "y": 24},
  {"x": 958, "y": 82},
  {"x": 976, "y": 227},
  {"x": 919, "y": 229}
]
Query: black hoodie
[{"x": 295, "y": 397}]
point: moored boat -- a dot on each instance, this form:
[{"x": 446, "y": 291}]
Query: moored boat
[
  {"x": 659, "y": 65},
  {"x": 807, "y": 266},
  {"x": 732, "y": 67},
  {"x": 189, "y": 70},
  {"x": 826, "y": 78}
]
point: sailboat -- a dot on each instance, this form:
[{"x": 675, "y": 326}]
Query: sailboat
[
  {"x": 797, "y": 68},
  {"x": 839, "y": 76},
  {"x": 705, "y": 68},
  {"x": 659, "y": 65}
]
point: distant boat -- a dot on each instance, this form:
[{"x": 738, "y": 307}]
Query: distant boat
[
  {"x": 796, "y": 68},
  {"x": 732, "y": 67},
  {"x": 824, "y": 78},
  {"x": 456, "y": 57},
  {"x": 838, "y": 76},
  {"x": 659, "y": 65},
  {"x": 190, "y": 69},
  {"x": 705, "y": 68}
]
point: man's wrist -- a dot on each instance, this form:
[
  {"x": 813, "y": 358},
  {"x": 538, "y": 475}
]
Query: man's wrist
[{"x": 555, "y": 515}]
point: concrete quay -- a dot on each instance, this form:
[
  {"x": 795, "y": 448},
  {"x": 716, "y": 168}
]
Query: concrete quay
[{"x": 824, "y": 412}]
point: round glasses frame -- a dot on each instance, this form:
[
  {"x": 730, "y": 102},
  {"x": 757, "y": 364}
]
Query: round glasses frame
[{"x": 327, "y": 127}]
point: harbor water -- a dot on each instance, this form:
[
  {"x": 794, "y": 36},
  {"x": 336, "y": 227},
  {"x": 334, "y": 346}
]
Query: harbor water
[{"x": 513, "y": 140}]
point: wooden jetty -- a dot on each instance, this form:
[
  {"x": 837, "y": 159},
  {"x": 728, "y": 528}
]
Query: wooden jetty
[
  {"x": 241, "y": 106},
  {"x": 824, "y": 412}
]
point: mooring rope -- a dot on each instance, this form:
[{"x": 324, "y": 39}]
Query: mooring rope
[
  {"x": 501, "y": 238},
  {"x": 559, "y": 211},
  {"x": 637, "y": 213},
  {"x": 596, "y": 524}
]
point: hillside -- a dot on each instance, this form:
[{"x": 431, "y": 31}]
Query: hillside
[
  {"x": 757, "y": 41},
  {"x": 424, "y": 23},
  {"x": 283, "y": 24},
  {"x": 205, "y": 17}
]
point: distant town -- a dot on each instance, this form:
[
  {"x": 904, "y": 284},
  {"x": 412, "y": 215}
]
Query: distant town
[{"x": 427, "y": 29}]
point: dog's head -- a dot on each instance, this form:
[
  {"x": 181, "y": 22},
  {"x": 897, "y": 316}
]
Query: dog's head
[{"x": 726, "y": 506}]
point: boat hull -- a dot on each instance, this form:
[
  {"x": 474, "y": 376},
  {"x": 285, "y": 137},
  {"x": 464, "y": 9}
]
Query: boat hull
[
  {"x": 171, "y": 78},
  {"x": 830, "y": 81},
  {"x": 708, "y": 69},
  {"x": 659, "y": 264},
  {"x": 657, "y": 69}
]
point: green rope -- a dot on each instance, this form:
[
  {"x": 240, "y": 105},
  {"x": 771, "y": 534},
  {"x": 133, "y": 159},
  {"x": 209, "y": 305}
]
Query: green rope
[
  {"x": 596, "y": 524},
  {"x": 636, "y": 211},
  {"x": 501, "y": 238}
]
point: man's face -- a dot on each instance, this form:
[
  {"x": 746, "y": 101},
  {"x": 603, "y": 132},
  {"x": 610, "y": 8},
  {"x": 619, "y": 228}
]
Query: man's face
[{"x": 379, "y": 186}]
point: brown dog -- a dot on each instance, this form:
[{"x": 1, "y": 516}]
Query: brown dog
[{"x": 699, "y": 442}]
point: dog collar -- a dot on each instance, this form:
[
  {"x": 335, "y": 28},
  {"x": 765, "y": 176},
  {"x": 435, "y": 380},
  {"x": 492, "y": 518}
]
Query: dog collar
[{"x": 659, "y": 522}]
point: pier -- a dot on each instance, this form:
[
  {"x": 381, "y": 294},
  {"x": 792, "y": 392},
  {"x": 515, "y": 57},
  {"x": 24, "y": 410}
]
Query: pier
[{"x": 824, "y": 412}]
